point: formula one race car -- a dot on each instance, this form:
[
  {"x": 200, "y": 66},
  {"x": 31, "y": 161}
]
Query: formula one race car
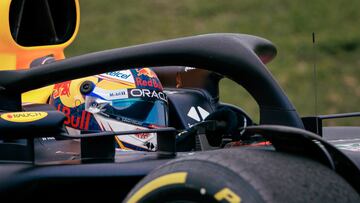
[{"x": 209, "y": 152}]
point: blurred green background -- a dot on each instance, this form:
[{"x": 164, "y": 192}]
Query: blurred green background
[{"x": 288, "y": 24}]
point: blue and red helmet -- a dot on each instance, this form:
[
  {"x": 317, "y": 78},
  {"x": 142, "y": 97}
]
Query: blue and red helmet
[{"x": 115, "y": 101}]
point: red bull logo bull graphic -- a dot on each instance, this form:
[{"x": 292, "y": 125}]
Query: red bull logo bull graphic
[
  {"x": 145, "y": 77},
  {"x": 62, "y": 89},
  {"x": 145, "y": 72}
]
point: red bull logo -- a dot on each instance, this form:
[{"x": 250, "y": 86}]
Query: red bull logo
[
  {"x": 75, "y": 121},
  {"x": 142, "y": 136},
  {"x": 148, "y": 83},
  {"x": 61, "y": 89},
  {"x": 146, "y": 72}
]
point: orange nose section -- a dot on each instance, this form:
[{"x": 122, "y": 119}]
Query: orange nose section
[
  {"x": 28, "y": 31},
  {"x": 25, "y": 36}
]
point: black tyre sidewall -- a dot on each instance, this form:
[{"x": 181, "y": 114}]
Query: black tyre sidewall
[
  {"x": 204, "y": 180},
  {"x": 252, "y": 175}
]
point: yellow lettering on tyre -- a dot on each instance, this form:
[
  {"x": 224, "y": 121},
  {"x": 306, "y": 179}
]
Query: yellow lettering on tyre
[
  {"x": 168, "y": 179},
  {"x": 228, "y": 195},
  {"x": 24, "y": 117}
]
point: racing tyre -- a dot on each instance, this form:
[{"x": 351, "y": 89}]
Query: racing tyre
[{"x": 242, "y": 175}]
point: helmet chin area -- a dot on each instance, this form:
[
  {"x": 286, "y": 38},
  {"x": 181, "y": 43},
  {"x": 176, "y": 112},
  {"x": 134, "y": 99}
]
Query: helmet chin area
[{"x": 139, "y": 142}]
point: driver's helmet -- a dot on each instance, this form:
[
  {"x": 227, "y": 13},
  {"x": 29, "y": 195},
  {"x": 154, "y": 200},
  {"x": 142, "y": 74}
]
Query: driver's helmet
[{"x": 115, "y": 101}]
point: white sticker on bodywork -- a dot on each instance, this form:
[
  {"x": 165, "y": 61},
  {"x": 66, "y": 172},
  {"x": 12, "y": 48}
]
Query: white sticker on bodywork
[
  {"x": 111, "y": 94},
  {"x": 124, "y": 75}
]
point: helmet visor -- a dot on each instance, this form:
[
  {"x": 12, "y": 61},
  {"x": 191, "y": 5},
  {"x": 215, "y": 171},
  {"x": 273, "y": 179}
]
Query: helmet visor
[{"x": 134, "y": 110}]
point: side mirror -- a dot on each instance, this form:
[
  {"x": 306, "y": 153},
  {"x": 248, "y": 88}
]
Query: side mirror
[
  {"x": 31, "y": 124},
  {"x": 18, "y": 130}
]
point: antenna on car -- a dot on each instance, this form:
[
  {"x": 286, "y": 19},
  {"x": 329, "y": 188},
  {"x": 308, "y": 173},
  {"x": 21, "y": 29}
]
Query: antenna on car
[
  {"x": 315, "y": 81},
  {"x": 315, "y": 75}
]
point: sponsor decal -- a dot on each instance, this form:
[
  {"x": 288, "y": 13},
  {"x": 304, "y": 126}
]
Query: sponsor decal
[
  {"x": 148, "y": 83},
  {"x": 146, "y": 78},
  {"x": 111, "y": 94},
  {"x": 24, "y": 117},
  {"x": 145, "y": 72},
  {"x": 148, "y": 94},
  {"x": 119, "y": 75},
  {"x": 48, "y": 138},
  {"x": 197, "y": 113},
  {"x": 79, "y": 121},
  {"x": 119, "y": 94},
  {"x": 149, "y": 145},
  {"x": 142, "y": 136},
  {"x": 159, "y": 182},
  {"x": 128, "y": 120},
  {"x": 62, "y": 89}
]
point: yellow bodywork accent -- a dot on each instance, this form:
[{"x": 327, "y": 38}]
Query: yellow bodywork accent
[
  {"x": 7, "y": 60},
  {"x": 169, "y": 179},
  {"x": 110, "y": 85},
  {"x": 15, "y": 57},
  {"x": 25, "y": 55},
  {"x": 39, "y": 96},
  {"x": 121, "y": 145},
  {"x": 24, "y": 117}
]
